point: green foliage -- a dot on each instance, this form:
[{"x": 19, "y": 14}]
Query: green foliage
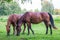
[
  {"x": 15, "y": 8},
  {"x": 9, "y": 8},
  {"x": 22, "y": 1},
  {"x": 8, "y": 0},
  {"x": 57, "y": 19},
  {"x": 47, "y": 7},
  {"x": 3, "y": 9},
  {"x": 57, "y": 11},
  {"x": 36, "y": 10}
]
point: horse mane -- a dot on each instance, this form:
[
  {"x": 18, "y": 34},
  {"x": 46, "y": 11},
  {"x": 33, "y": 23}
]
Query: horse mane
[{"x": 22, "y": 18}]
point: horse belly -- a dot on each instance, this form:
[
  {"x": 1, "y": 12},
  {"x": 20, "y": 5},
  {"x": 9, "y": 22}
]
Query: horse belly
[
  {"x": 36, "y": 18},
  {"x": 36, "y": 21}
]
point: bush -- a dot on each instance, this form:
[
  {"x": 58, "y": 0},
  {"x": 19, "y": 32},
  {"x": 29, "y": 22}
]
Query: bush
[{"x": 9, "y": 8}]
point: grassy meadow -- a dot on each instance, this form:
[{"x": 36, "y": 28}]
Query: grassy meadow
[{"x": 39, "y": 30}]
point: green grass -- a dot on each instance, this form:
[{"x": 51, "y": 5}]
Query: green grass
[{"x": 39, "y": 30}]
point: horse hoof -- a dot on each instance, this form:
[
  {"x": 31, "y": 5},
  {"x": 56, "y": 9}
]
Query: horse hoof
[
  {"x": 17, "y": 35},
  {"x": 8, "y": 35},
  {"x": 33, "y": 33},
  {"x": 46, "y": 33}
]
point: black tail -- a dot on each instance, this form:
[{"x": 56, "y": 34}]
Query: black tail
[{"x": 52, "y": 21}]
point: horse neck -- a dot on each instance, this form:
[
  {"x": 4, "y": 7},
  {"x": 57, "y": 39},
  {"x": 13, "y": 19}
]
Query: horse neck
[
  {"x": 20, "y": 20},
  {"x": 8, "y": 23},
  {"x": 23, "y": 17}
]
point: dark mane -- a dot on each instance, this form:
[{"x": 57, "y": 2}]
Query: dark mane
[{"x": 22, "y": 18}]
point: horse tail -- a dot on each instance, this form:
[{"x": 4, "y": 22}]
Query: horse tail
[{"x": 52, "y": 21}]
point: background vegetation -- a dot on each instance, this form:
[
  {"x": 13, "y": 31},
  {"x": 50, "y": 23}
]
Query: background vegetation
[{"x": 8, "y": 7}]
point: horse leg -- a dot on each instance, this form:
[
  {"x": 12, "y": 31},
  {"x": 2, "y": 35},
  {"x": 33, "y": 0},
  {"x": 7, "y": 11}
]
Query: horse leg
[
  {"x": 50, "y": 29},
  {"x": 18, "y": 31},
  {"x": 46, "y": 27},
  {"x": 28, "y": 31},
  {"x": 18, "y": 28},
  {"x": 32, "y": 30},
  {"x": 29, "y": 25},
  {"x": 8, "y": 28},
  {"x": 46, "y": 30},
  {"x": 49, "y": 24},
  {"x": 24, "y": 28},
  {"x": 14, "y": 29}
]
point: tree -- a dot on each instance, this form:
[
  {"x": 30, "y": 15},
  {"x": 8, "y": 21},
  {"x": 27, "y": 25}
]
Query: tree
[
  {"x": 15, "y": 8},
  {"x": 9, "y": 8},
  {"x": 47, "y": 7},
  {"x": 6, "y": 0},
  {"x": 22, "y": 1}
]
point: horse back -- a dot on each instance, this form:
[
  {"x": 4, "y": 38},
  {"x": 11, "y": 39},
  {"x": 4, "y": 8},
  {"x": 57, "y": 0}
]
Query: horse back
[
  {"x": 36, "y": 17},
  {"x": 14, "y": 18}
]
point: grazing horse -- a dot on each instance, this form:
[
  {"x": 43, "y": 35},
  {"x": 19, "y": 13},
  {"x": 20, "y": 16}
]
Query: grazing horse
[
  {"x": 35, "y": 18},
  {"x": 12, "y": 19}
]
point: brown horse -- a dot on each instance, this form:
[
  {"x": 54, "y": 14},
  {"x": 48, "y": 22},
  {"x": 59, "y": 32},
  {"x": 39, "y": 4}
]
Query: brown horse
[
  {"x": 13, "y": 20},
  {"x": 35, "y": 18}
]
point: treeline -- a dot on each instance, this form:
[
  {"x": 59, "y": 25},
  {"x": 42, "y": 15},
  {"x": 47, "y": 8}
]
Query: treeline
[
  {"x": 9, "y": 8},
  {"x": 48, "y": 7}
]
